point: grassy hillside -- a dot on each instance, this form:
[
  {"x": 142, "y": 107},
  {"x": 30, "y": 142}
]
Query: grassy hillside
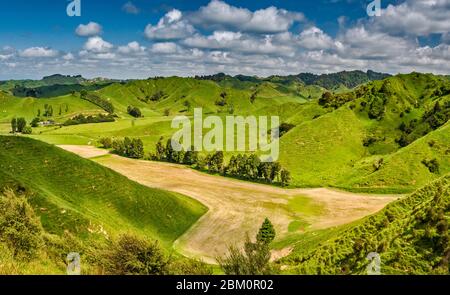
[
  {"x": 355, "y": 139},
  {"x": 29, "y": 108},
  {"x": 77, "y": 195},
  {"x": 411, "y": 235}
]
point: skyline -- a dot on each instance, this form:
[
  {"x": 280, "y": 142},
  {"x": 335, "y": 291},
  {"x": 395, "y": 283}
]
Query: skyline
[{"x": 139, "y": 39}]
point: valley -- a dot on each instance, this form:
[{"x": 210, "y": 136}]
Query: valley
[
  {"x": 236, "y": 208},
  {"x": 355, "y": 146}
]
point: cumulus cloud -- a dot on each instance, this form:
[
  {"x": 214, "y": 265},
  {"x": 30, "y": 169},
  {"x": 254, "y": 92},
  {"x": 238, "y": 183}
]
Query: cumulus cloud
[
  {"x": 38, "y": 52},
  {"x": 315, "y": 39},
  {"x": 90, "y": 29},
  {"x": 68, "y": 56},
  {"x": 97, "y": 45},
  {"x": 130, "y": 8},
  {"x": 269, "y": 20},
  {"x": 165, "y": 48},
  {"x": 170, "y": 27},
  {"x": 415, "y": 17},
  {"x": 219, "y": 37},
  {"x": 132, "y": 47}
]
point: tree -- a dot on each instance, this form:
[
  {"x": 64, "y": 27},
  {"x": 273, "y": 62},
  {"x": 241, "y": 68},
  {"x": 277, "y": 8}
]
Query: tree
[
  {"x": 20, "y": 228},
  {"x": 13, "y": 125},
  {"x": 35, "y": 122},
  {"x": 285, "y": 177},
  {"x": 274, "y": 171},
  {"x": 215, "y": 163},
  {"x": 106, "y": 142},
  {"x": 190, "y": 157},
  {"x": 266, "y": 233},
  {"x": 133, "y": 256},
  {"x": 21, "y": 123},
  {"x": 253, "y": 260},
  {"x": 160, "y": 150},
  {"x": 27, "y": 130},
  {"x": 39, "y": 112},
  {"x": 134, "y": 111}
]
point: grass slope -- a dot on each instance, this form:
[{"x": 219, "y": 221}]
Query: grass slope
[
  {"x": 82, "y": 197},
  {"x": 411, "y": 235}
]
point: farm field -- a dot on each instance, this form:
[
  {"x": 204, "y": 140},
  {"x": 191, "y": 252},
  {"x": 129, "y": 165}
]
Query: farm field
[{"x": 236, "y": 208}]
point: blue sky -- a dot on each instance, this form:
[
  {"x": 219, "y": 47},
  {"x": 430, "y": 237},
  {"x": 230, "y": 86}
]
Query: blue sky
[{"x": 141, "y": 38}]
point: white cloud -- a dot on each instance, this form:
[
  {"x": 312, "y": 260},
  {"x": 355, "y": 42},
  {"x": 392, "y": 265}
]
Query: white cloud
[
  {"x": 415, "y": 17},
  {"x": 90, "y": 29},
  {"x": 132, "y": 47},
  {"x": 97, "y": 45},
  {"x": 263, "y": 42},
  {"x": 171, "y": 27},
  {"x": 269, "y": 20},
  {"x": 272, "y": 20},
  {"x": 314, "y": 38},
  {"x": 238, "y": 42},
  {"x": 130, "y": 8},
  {"x": 165, "y": 48},
  {"x": 38, "y": 52},
  {"x": 68, "y": 56}
]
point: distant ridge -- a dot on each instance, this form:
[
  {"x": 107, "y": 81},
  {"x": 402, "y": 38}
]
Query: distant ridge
[{"x": 349, "y": 79}]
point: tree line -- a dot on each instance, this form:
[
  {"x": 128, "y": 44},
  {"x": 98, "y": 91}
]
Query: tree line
[
  {"x": 19, "y": 125},
  {"x": 244, "y": 166},
  {"x": 248, "y": 167}
]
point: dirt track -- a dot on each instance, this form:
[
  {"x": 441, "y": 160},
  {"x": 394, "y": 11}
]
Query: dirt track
[{"x": 236, "y": 207}]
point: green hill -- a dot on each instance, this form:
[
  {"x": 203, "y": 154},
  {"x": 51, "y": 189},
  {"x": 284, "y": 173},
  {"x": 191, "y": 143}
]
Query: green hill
[
  {"x": 92, "y": 197},
  {"x": 356, "y": 139},
  {"x": 411, "y": 236}
]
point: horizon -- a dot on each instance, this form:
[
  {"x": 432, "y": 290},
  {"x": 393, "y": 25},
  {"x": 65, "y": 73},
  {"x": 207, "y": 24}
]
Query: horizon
[
  {"x": 136, "y": 39},
  {"x": 218, "y": 73}
]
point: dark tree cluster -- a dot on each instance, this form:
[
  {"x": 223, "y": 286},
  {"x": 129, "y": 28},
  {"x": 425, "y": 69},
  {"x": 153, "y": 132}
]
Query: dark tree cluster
[
  {"x": 82, "y": 119},
  {"x": 48, "y": 111},
  {"x": 130, "y": 148},
  {"x": 438, "y": 115},
  {"x": 19, "y": 125},
  {"x": 157, "y": 96},
  {"x": 285, "y": 128},
  {"x": 431, "y": 120},
  {"x": 251, "y": 168},
  {"x": 222, "y": 101},
  {"x": 97, "y": 100},
  {"x": 330, "y": 100},
  {"x": 241, "y": 166},
  {"x": 432, "y": 165},
  {"x": 134, "y": 111}
]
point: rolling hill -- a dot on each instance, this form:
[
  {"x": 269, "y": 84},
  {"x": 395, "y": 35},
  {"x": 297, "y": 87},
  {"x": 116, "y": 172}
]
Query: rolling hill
[
  {"x": 355, "y": 139},
  {"x": 90, "y": 196},
  {"x": 410, "y": 235}
]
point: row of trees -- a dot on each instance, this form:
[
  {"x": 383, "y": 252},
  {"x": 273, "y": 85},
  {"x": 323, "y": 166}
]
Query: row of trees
[
  {"x": 241, "y": 166},
  {"x": 82, "y": 119},
  {"x": 19, "y": 125},
  {"x": 130, "y": 148},
  {"x": 97, "y": 100}
]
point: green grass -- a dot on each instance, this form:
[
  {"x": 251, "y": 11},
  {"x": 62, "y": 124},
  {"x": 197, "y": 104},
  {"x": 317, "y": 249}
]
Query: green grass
[
  {"x": 92, "y": 197},
  {"x": 411, "y": 235},
  {"x": 324, "y": 149}
]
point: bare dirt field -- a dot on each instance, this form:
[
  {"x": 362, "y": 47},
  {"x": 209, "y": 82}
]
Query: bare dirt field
[
  {"x": 84, "y": 151},
  {"x": 237, "y": 207}
]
